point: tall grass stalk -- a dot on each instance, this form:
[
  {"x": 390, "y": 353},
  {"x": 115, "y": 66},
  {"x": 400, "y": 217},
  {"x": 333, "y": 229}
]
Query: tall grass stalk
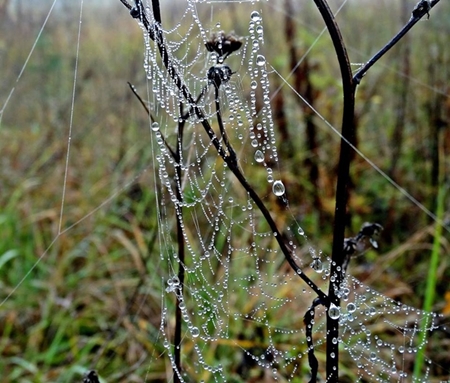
[{"x": 432, "y": 274}]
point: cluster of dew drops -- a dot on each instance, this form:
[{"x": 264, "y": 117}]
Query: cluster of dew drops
[{"x": 265, "y": 129}]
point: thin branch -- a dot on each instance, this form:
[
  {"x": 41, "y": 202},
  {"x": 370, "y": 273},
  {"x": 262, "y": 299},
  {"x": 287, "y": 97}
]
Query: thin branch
[
  {"x": 156, "y": 11},
  {"x": 125, "y": 3},
  {"x": 421, "y": 9},
  {"x": 308, "y": 321},
  {"x": 133, "y": 89},
  {"x": 180, "y": 240},
  {"x": 223, "y": 132}
]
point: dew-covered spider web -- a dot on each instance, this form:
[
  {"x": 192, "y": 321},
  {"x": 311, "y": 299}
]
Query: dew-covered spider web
[
  {"x": 208, "y": 295},
  {"x": 237, "y": 282}
]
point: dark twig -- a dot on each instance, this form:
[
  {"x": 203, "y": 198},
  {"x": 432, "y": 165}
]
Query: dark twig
[
  {"x": 308, "y": 321},
  {"x": 133, "y": 89},
  {"x": 181, "y": 250},
  {"x": 125, "y": 3},
  {"x": 223, "y": 132},
  {"x": 156, "y": 10},
  {"x": 348, "y": 131},
  {"x": 421, "y": 9}
]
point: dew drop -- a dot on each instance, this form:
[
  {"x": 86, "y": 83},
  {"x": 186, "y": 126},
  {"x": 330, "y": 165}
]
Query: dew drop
[
  {"x": 155, "y": 126},
  {"x": 317, "y": 265},
  {"x": 351, "y": 307},
  {"x": 195, "y": 332},
  {"x": 278, "y": 188},
  {"x": 259, "y": 156},
  {"x": 260, "y": 60},
  {"x": 255, "y": 16},
  {"x": 253, "y": 84},
  {"x": 300, "y": 231},
  {"x": 334, "y": 312}
]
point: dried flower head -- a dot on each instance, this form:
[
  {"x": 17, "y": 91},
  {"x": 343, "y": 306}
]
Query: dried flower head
[{"x": 223, "y": 44}]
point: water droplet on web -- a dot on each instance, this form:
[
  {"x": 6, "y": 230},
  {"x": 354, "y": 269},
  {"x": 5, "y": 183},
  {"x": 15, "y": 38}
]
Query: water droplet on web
[
  {"x": 255, "y": 16},
  {"x": 260, "y": 60},
  {"x": 351, "y": 307},
  {"x": 317, "y": 265},
  {"x": 155, "y": 126},
  {"x": 253, "y": 84},
  {"x": 300, "y": 231},
  {"x": 278, "y": 188},
  {"x": 195, "y": 332},
  {"x": 334, "y": 312},
  {"x": 259, "y": 156}
]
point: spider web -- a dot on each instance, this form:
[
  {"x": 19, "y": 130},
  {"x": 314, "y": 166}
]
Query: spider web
[
  {"x": 242, "y": 307},
  {"x": 234, "y": 283}
]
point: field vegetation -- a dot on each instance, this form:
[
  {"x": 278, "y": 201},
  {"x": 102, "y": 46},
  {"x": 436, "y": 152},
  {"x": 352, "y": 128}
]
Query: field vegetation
[{"x": 81, "y": 289}]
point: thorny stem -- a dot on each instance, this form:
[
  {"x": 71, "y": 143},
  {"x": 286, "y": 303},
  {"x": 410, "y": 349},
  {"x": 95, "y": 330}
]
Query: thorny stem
[
  {"x": 348, "y": 131},
  {"x": 421, "y": 9}
]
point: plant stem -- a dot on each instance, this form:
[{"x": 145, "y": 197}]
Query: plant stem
[
  {"x": 181, "y": 249},
  {"x": 417, "y": 14},
  {"x": 338, "y": 256}
]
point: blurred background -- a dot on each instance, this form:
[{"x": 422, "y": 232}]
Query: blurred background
[{"x": 82, "y": 304}]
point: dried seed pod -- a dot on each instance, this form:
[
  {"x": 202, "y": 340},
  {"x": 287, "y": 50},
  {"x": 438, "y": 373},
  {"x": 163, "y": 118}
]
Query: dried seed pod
[
  {"x": 219, "y": 74},
  {"x": 223, "y": 44}
]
